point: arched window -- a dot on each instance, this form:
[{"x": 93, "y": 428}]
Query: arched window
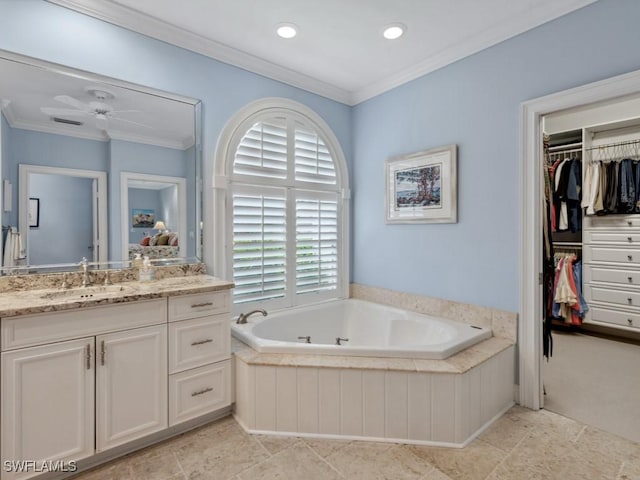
[{"x": 286, "y": 208}]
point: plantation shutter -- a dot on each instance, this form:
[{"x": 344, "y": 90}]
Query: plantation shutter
[
  {"x": 262, "y": 151},
  {"x": 313, "y": 162},
  {"x": 316, "y": 243},
  {"x": 286, "y": 207},
  {"x": 259, "y": 244}
]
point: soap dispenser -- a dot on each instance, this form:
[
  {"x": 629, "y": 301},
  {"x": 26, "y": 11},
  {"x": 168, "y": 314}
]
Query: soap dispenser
[{"x": 146, "y": 271}]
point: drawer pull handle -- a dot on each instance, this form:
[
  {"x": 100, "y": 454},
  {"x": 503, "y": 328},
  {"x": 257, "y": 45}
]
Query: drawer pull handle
[
  {"x": 202, "y": 342},
  {"x": 203, "y": 391},
  {"x": 103, "y": 352},
  {"x": 630, "y": 239},
  {"x": 630, "y": 279},
  {"x": 630, "y": 257},
  {"x": 205, "y": 304},
  {"x": 88, "y": 356},
  {"x": 630, "y": 300},
  {"x": 629, "y": 321}
]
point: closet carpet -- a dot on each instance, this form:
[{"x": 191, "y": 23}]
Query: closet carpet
[
  {"x": 595, "y": 381},
  {"x": 522, "y": 445}
]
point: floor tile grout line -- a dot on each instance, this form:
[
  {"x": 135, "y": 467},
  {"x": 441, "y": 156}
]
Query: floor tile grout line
[
  {"x": 335, "y": 469},
  {"x": 507, "y": 454},
  {"x": 575, "y": 440},
  {"x": 184, "y": 474},
  {"x": 620, "y": 470}
]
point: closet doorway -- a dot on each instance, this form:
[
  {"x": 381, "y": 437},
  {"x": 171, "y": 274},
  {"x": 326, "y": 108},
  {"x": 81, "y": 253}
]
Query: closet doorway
[{"x": 591, "y": 255}]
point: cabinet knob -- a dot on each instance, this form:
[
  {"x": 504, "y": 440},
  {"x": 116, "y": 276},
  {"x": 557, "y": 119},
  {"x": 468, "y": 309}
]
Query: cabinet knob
[
  {"x": 630, "y": 279},
  {"x": 630, "y": 223},
  {"x": 630, "y": 239},
  {"x": 629, "y": 321},
  {"x": 629, "y": 300},
  {"x": 630, "y": 257}
]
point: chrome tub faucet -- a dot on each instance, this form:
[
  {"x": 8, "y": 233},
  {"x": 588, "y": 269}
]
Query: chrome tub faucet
[{"x": 242, "y": 318}]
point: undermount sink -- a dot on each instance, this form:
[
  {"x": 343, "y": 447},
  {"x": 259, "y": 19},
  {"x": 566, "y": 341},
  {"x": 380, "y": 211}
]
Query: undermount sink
[{"x": 85, "y": 292}]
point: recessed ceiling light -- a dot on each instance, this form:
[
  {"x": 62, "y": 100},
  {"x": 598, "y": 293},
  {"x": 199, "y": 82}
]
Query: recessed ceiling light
[
  {"x": 393, "y": 31},
  {"x": 286, "y": 30}
]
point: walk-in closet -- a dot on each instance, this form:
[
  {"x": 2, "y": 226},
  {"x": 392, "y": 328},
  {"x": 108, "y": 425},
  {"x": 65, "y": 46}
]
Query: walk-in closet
[{"x": 591, "y": 279}]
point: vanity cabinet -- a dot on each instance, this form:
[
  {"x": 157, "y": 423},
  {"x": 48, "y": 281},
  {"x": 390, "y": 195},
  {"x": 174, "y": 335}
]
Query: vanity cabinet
[{"x": 79, "y": 382}]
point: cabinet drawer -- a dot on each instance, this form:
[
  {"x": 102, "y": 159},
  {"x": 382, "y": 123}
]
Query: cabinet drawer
[
  {"x": 613, "y": 318},
  {"x": 625, "y": 298},
  {"x": 623, "y": 256},
  {"x": 615, "y": 222},
  {"x": 196, "y": 342},
  {"x": 27, "y": 330},
  {"x": 611, "y": 275},
  {"x": 198, "y": 391},
  {"x": 612, "y": 238},
  {"x": 199, "y": 305}
]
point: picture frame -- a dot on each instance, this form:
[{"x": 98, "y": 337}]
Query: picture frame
[
  {"x": 143, "y": 218},
  {"x": 34, "y": 213},
  {"x": 422, "y": 187}
]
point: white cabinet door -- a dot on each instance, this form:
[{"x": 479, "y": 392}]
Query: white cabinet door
[
  {"x": 48, "y": 403},
  {"x": 131, "y": 385}
]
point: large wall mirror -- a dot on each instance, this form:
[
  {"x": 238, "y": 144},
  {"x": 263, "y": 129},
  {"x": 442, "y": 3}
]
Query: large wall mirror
[{"x": 95, "y": 167}]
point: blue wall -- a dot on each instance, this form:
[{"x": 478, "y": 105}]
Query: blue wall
[{"x": 475, "y": 104}]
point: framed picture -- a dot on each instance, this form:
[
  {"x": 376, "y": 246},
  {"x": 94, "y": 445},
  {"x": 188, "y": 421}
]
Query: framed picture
[
  {"x": 143, "y": 218},
  {"x": 422, "y": 187},
  {"x": 34, "y": 212}
]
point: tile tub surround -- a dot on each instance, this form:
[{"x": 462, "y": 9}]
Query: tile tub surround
[
  {"x": 502, "y": 323},
  {"x": 523, "y": 444},
  {"x": 16, "y": 283},
  {"x": 433, "y": 402},
  {"x": 25, "y": 302}
]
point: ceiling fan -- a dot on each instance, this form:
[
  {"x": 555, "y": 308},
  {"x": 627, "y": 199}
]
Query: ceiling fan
[{"x": 98, "y": 108}]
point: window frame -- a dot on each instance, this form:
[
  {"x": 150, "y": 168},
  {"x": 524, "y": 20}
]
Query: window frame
[{"x": 225, "y": 180}]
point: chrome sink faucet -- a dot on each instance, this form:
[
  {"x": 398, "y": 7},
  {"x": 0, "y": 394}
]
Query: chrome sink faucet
[
  {"x": 86, "y": 279},
  {"x": 242, "y": 318}
]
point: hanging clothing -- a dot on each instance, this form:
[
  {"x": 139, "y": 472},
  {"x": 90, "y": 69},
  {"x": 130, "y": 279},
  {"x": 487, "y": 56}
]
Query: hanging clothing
[
  {"x": 568, "y": 303},
  {"x": 13, "y": 249}
]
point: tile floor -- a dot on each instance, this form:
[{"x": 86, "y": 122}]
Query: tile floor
[{"x": 521, "y": 445}]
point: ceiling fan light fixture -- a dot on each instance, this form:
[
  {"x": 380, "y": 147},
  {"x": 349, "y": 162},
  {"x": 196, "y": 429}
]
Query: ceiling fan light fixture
[
  {"x": 394, "y": 31},
  {"x": 286, "y": 30}
]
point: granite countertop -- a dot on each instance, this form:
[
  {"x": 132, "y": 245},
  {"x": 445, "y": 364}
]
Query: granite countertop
[{"x": 51, "y": 300}]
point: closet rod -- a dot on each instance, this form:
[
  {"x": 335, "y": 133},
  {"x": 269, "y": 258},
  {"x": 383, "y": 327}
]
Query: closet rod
[
  {"x": 573, "y": 150},
  {"x": 611, "y": 145},
  {"x": 563, "y": 147}
]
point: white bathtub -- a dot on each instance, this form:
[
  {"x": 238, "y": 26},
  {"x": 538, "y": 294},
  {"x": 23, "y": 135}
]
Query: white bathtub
[{"x": 372, "y": 330}]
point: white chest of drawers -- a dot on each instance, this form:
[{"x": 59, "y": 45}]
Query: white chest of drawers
[{"x": 611, "y": 271}]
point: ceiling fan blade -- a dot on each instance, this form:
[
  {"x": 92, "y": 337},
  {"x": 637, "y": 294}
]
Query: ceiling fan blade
[
  {"x": 74, "y": 102},
  {"x": 63, "y": 111},
  {"x": 131, "y": 122}
]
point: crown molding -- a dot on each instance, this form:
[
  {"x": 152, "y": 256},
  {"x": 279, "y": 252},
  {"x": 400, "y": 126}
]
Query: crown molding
[
  {"x": 488, "y": 38},
  {"x": 128, "y": 137},
  {"x": 57, "y": 129},
  {"x": 138, "y": 22},
  {"x": 152, "y": 27}
]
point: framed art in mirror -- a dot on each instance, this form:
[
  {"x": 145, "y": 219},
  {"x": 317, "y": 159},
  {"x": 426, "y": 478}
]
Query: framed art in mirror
[{"x": 422, "y": 187}]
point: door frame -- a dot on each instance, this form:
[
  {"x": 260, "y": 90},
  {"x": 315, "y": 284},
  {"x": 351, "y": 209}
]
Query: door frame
[{"x": 530, "y": 391}]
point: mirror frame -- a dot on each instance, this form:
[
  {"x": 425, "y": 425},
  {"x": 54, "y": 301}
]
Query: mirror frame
[{"x": 106, "y": 80}]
